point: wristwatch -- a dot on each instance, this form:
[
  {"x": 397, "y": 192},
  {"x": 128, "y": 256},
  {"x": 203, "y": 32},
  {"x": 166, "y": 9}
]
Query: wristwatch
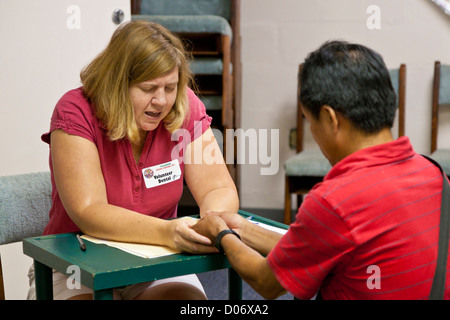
[{"x": 221, "y": 235}]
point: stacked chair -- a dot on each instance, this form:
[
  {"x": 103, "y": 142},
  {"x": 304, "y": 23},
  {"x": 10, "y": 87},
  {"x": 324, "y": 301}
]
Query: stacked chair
[{"x": 210, "y": 31}]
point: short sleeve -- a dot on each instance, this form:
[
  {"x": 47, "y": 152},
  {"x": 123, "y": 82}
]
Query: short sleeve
[
  {"x": 315, "y": 244},
  {"x": 197, "y": 121},
  {"x": 73, "y": 114}
]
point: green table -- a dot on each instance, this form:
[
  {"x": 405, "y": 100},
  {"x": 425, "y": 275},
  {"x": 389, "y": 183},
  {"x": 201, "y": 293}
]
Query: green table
[{"x": 103, "y": 268}]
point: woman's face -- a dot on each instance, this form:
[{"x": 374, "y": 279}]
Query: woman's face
[{"x": 153, "y": 99}]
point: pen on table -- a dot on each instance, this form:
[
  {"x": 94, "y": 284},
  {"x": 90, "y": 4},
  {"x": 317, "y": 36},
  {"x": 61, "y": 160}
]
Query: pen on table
[
  {"x": 81, "y": 243},
  {"x": 250, "y": 218}
]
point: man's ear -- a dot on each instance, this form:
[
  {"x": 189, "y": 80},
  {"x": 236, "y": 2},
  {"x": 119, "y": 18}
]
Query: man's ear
[{"x": 330, "y": 118}]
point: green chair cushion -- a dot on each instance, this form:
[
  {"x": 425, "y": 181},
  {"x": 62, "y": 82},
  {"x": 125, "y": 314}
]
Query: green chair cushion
[
  {"x": 212, "y": 102},
  {"x": 187, "y": 7},
  {"x": 444, "y": 85},
  {"x": 190, "y": 24},
  {"x": 207, "y": 66},
  {"x": 307, "y": 163}
]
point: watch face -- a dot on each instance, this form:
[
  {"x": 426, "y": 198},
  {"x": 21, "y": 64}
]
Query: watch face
[{"x": 444, "y": 5}]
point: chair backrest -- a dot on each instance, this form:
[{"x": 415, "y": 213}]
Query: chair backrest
[
  {"x": 398, "y": 78},
  {"x": 182, "y": 7},
  {"x": 441, "y": 97},
  {"x": 25, "y": 202}
]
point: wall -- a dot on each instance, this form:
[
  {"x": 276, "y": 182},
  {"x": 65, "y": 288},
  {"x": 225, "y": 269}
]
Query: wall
[
  {"x": 45, "y": 43},
  {"x": 276, "y": 37}
]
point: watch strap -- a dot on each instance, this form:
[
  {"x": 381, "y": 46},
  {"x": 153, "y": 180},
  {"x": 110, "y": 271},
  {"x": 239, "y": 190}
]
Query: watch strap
[{"x": 219, "y": 237}]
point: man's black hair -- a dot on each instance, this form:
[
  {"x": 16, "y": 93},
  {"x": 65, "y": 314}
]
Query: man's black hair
[{"x": 353, "y": 80}]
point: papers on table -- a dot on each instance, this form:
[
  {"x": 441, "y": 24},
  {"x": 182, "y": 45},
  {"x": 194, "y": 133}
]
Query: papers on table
[
  {"x": 269, "y": 227},
  {"x": 154, "y": 251},
  {"x": 141, "y": 250}
]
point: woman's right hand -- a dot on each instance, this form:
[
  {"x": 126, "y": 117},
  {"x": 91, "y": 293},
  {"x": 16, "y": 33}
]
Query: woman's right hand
[{"x": 185, "y": 239}]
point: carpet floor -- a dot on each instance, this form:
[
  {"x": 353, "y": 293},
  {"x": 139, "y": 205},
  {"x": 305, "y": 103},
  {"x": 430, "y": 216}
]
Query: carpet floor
[{"x": 215, "y": 284}]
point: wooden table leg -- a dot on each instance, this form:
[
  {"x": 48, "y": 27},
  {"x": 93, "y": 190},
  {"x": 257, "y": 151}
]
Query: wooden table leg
[
  {"x": 106, "y": 294},
  {"x": 234, "y": 285},
  {"x": 44, "y": 281}
]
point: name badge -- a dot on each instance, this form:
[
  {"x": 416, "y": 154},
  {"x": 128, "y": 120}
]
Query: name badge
[{"x": 161, "y": 174}]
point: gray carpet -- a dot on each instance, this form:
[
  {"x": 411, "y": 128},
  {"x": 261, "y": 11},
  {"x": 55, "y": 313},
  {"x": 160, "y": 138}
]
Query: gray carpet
[{"x": 215, "y": 284}]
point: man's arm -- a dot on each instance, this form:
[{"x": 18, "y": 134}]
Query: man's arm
[{"x": 248, "y": 263}]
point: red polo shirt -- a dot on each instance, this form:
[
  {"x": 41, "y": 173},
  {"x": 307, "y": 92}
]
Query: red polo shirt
[
  {"x": 368, "y": 231},
  {"x": 124, "y": 178}
]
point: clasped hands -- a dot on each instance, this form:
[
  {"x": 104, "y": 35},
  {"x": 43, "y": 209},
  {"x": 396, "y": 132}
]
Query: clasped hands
[
  {"x": 213, "y": 223},
  {"x": 199, "y": 236}
]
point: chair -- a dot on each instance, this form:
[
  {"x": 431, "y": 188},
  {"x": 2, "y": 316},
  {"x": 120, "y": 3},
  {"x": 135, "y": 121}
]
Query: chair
[
  {"x": 441, "y": 98},
  {"x": 25, "y": 202},
  {"x": 308, "y": 167}
]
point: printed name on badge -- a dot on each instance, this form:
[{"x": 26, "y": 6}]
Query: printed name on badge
[{"x": 161, "y": 174}]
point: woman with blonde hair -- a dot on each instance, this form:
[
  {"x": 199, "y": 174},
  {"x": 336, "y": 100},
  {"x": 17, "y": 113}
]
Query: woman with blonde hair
[{"x": 112, "y": 163}]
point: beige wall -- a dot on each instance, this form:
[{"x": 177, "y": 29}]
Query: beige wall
[
  {"x": 276, "y": 37},
  {"x": 45, "y": 43}
]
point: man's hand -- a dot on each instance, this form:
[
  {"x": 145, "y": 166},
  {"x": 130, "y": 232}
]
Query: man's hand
[{"x": 233, "y": 220}]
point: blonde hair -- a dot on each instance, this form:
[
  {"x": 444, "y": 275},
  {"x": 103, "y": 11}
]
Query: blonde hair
[{"x": 138, "y": 51}]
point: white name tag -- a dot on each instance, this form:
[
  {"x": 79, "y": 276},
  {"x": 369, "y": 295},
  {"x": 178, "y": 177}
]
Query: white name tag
[{"x": 161, "y": 174}]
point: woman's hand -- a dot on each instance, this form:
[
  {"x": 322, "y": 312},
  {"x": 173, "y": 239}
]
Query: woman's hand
[
  {"x": 186, "y": 239},
  {"x": 233, "y": 220}
]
